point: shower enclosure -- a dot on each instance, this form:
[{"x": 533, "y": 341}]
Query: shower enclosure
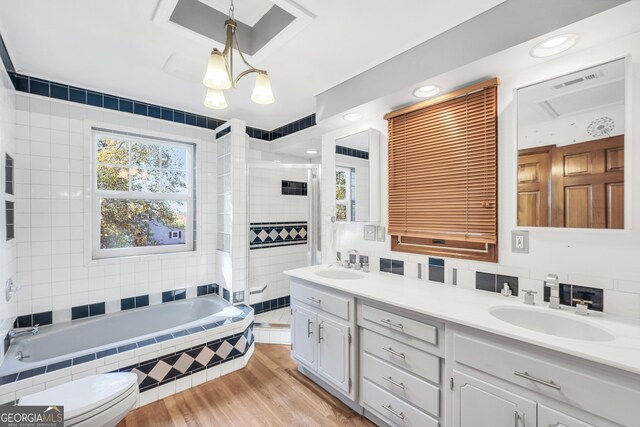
[{"x": 284, "y": 204}]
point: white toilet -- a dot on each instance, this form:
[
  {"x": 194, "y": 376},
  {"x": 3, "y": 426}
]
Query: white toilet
[{"x": 98, "y": 400}]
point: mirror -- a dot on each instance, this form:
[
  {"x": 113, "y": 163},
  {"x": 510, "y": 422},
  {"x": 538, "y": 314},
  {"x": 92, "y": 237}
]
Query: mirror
[
  {"x": 353, "y": 182},
  {"x": 571, "y": 149}
]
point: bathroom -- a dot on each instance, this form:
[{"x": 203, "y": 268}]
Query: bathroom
[{"x": 263, "y": 216}]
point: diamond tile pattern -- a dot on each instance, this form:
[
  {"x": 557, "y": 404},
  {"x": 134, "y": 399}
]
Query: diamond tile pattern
[
  {"x": 273, "y": 234},
  {"x": 156, "y": 372}
]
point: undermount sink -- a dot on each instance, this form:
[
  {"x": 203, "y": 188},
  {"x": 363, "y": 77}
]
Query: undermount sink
[
  {"x": 556, "y": 324},
  {"x": 339, "y": 274}
]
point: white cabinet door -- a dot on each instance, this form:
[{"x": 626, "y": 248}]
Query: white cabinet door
[
  {"x": 333, "y": 352},
  {"x": 548, "y": 417},
  {"x": 303, "y": 336},
  {"x": 480, "y": 404}
]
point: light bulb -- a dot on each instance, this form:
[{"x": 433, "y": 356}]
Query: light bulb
[
  {"x": 262, "y": 93},
  {"x": 217, "y": 75},
  {"x": 215, "y": 99}
]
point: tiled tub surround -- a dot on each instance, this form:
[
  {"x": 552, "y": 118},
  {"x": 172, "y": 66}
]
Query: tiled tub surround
[{"x": 213, "y": 349}]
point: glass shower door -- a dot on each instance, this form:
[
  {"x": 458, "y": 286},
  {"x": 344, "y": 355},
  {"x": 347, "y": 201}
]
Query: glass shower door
[{"x": 283, "y": 202}]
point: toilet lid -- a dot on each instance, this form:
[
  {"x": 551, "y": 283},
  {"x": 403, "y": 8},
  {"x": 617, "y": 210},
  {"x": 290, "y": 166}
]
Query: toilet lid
[{"x": 83, "y": 395}]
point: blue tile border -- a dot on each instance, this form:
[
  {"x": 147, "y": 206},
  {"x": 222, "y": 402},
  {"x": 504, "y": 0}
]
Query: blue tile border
[
  {"x": 203, "y": 290},
  {"x": 392, "y": 266},
  {"x": 6, "y": 59},
  {"x": 352, "y": 152},
  {"x": 273, "y": 304},
  {"x": 60, "y": 91},
  {"x": 246, "y": 310}
]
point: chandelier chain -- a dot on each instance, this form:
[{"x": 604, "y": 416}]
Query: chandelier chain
[{"x": 231, "y": 10}]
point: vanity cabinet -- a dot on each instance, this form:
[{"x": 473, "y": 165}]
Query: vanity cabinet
[
  {"x": 480, "y": 404},
  {"x": 515, "y": 381},
  {"x": 321, "y": 334},
  {"x": 400, "y": 366}
]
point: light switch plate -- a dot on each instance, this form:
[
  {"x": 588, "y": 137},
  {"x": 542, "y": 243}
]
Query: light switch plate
[
  {"x": 520, "y": 242},
  {"x": 370, "y": 233},
  {"x": 381, "y": 233}
]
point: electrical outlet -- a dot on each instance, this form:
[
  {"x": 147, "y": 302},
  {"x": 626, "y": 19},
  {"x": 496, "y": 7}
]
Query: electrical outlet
[
  {"x": 381, "y": 233},
  {"x": 520, "y": 242}
]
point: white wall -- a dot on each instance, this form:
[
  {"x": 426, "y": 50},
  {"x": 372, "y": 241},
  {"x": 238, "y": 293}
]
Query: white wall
[
  {"x": 605, "y": 259},
  {"x": 55, "y": 270},
  {"x": 8, "y": 310}
]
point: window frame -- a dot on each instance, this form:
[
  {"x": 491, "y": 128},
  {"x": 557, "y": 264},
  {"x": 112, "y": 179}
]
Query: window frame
[
  {"x": 347, "y": 193},
  {"x": 97, "y": 252}
]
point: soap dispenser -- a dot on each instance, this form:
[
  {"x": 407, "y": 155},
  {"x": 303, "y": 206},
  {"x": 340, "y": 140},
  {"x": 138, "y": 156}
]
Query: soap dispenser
[{"x": 506, "y": 290}]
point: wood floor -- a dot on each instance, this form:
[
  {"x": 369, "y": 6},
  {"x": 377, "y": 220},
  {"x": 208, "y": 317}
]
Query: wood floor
[{"x": 269, "y": 391}]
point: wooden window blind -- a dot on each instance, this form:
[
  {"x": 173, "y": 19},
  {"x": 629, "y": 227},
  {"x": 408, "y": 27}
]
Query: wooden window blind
[{"x": 443, "y": 175}]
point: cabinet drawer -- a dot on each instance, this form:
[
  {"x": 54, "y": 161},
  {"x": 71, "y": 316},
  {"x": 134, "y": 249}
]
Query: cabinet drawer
[
  {"x": 410, "y": 388},
  {"x": 392, "y": 409},
  {"x": 581, "y": 389},
  {"x": 410, "y": 358},
  {"x": 325, "y": 301},
  {"x": 400, "y": 326}
]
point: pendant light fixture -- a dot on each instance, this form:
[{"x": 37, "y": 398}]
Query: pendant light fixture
[{"x": 219, "y": 74}]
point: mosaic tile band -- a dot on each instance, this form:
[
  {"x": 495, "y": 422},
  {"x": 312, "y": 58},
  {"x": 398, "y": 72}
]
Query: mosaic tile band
[
  {"x": 273, "y": 234},
  {"x": 171, "y": 367}
]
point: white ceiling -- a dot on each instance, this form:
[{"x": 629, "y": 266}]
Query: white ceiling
[
  {"x": 246, "y": 11},
  {"x": 572, "y": 93},
  {"x": 115, "y": 47}
]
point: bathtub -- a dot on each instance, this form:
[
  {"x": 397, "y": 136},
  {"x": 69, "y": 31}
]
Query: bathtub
[{"x": 87, "y": 339}]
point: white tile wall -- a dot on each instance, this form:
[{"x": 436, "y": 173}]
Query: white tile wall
[
  {"x": 267, "y": 204},
  {"x": 8, "y": 117},
  {"x": 54, "y": 266}
]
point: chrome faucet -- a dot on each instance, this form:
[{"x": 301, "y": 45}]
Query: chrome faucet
[
  {"x": 17, "y": 332},
  {"x": 357, "y": 254},
  {"x": 20, "y": 356},
  {"x": 553, "y": 283}
]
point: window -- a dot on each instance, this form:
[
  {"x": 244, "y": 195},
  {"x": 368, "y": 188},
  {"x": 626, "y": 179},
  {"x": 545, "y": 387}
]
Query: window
[
  {"x": 443, "y": 175},
  {"x": 343, "y": 193},
  {"x": 142, "y": 195}
]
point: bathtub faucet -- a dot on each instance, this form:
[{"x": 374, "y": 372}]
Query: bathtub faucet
[{"x": 17, "y": 332}]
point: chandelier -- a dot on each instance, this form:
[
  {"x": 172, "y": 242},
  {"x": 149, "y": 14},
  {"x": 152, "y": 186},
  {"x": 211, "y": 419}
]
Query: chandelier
[{"x": 219, "y": 74}]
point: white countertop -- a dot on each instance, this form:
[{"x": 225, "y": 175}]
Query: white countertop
[{"x": 471, "y": 308}]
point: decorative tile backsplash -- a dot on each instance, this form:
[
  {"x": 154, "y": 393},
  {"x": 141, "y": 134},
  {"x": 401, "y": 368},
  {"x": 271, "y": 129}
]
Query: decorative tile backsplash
[
  {"x": 29, "y": 320},
  {"x": 174, "y": 295},
  {"x": 272, "y": 234},
  {"x": 134, "y": 302},
  {"x": 495, "y": 282},
  {"x": 436, "y": 270},
  {"x": 570, "y": 292},
  {"x": 89, "y": 310},
  {"x": 392, "y": 266},
  {"x": 208, "y": 289}
]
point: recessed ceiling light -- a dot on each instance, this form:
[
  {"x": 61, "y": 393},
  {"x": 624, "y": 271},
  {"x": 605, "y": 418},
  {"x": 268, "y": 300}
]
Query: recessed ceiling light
[
  {"x": 554, "y": 45},
  {"x": 352, "y": 117},
  {"x": 312, "y": 151},
  {"x": 426, "y": 91}
]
